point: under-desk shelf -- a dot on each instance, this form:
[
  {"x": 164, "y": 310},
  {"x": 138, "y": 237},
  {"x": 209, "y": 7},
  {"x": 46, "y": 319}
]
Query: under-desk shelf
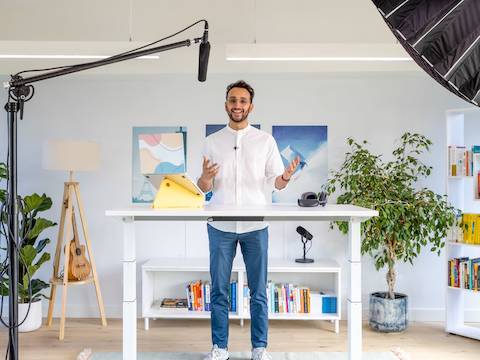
[{"x": 166, "y": 277}]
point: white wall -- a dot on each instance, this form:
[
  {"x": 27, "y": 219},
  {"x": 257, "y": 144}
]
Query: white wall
[{"x": 378, "y": 108}]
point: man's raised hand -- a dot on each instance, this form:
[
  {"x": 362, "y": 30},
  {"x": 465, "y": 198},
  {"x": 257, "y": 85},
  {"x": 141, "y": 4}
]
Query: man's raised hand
[
  {"x": 209, "y": 170},
  {"x": 290, "y": 169}
]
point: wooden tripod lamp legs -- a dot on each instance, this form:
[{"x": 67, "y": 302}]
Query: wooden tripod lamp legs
[
  {"x": 71, "y": 191},
  {"x": 90, "y": 254}
]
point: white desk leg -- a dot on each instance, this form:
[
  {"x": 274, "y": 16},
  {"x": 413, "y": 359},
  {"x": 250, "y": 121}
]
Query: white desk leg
[
  {"x": 354, "y": 300},
  {"x": 129, "y": 291}
]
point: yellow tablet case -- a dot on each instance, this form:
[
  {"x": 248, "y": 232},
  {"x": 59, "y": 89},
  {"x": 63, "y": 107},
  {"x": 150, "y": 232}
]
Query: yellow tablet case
[{"x": 178, "y": 191}]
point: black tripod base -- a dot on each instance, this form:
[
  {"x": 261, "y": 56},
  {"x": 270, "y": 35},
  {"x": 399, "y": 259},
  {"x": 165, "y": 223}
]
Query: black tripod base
[{"x": 304, "y": 260}]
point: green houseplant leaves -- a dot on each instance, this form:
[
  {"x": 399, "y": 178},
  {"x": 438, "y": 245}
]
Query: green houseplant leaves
[
  {"x": 32, "y": 249},
  {"x": 409, "y": 218}
]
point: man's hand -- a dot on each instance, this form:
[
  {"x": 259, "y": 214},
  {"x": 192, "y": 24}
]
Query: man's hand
[
  {"x": 290, "y": 169},
  {"x": 282, "y": 180},
  {"x": 209, "y": 171}
]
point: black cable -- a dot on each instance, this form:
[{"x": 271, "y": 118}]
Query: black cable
[
  {"x": 117, "y": 55},
  {"x": 306, "y": 251},
  {"x": 157, "y": 41},
  {"x": 6, "y": 255},
  {"x": 10, "y": 235}
]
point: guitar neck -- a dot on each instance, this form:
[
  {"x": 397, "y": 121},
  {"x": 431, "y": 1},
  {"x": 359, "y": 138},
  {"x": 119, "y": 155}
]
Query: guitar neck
[{"x": 75, "y": 231}]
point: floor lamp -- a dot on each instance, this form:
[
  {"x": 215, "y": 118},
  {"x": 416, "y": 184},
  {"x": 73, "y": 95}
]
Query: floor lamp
[{"x": 71, "y": 155}]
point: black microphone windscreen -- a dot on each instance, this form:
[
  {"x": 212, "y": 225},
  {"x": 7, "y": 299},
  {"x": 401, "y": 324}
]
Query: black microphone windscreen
[
  {"x": 203, "y": 56},
  {"x": 302, "y": 231}
]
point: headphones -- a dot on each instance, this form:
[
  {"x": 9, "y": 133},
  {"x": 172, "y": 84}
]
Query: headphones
[{"x": 311, "y": 199}]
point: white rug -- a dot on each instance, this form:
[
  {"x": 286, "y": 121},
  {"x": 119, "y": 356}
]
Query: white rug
[{"x": 246, "y": 356}]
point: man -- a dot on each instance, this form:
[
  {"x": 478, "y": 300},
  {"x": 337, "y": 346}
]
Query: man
[{"x": 241, "y": 166}]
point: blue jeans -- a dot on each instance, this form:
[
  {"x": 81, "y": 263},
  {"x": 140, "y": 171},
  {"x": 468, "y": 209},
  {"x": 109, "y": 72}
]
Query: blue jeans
[{"x": 223, "y": 247}]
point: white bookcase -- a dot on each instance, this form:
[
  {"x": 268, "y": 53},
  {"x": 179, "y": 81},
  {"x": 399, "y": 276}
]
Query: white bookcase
[
  {"x": 462, "y": 130},
  {"x": 167, "y": 277}
]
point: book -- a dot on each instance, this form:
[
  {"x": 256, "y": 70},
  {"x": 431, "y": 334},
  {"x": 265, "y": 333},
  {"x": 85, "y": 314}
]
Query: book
[{"x": 171, "y": 303}]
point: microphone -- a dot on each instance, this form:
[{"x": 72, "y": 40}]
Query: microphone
[
  {"x": 302, "y": 231},
  {"x": 203, "y": 55}
]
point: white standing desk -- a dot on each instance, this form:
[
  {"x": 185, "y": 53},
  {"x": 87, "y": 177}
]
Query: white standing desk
[{"x": 353, "y": 214}]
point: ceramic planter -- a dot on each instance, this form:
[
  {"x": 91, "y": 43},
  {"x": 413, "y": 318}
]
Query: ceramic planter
[
  {"x": 388, "y": 315},
  {"x": 34, "y": 318}
]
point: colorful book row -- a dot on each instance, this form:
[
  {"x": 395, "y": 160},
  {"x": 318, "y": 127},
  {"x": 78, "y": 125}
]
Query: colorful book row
[
  {"x": 287, "y": 298},
  {"x": 281, "y": 299},
  {"x": 198, "y": 296},
  {"x": 463, "y": 273},
  {"x": 461, "y": 160}
]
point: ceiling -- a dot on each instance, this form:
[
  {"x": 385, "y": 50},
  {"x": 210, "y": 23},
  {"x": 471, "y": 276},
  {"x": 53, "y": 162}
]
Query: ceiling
[{"x": 110, "y": 26}]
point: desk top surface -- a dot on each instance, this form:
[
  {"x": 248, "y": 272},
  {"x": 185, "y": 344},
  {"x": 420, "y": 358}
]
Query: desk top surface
[{"x": 269, "y": 212}]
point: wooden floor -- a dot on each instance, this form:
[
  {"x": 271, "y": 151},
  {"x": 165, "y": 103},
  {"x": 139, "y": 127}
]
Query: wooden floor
[{"x": 425, "y": 341}]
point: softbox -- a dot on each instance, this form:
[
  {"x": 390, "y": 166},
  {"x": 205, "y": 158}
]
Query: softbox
[{"x": 442, "y": 36}]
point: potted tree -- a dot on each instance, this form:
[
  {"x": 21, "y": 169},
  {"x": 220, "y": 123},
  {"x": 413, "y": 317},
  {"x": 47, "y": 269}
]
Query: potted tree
[
  {"x": 409, "y": 218},
  {"x": 32, "y": 256}
]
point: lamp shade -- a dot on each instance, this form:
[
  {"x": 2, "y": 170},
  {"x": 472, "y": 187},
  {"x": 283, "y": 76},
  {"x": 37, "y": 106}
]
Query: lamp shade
[{"x": 71, "y": 155}]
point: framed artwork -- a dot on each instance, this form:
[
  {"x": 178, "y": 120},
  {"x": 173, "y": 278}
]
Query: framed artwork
[
  {"x": 156, "y": 150},
  {"x": 309, "y": 143}
]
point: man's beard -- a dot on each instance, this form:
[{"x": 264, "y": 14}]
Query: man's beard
[{"x": 243, "y": 118}]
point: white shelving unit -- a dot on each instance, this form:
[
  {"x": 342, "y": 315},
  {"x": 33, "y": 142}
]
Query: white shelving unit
[
  {"x": 461, "y": 194},
  {"x": 167, "y": 277}
]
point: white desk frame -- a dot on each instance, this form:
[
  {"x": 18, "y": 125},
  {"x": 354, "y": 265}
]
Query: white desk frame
[{"x": 353, "y": 214}]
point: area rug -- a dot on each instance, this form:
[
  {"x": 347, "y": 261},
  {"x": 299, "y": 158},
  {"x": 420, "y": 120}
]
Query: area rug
[{"x": 246, "y": 356}]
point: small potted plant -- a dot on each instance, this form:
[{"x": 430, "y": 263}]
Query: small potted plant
[
  {"x": 31, "y": 257},
  {"x": 409, "y": 218}
]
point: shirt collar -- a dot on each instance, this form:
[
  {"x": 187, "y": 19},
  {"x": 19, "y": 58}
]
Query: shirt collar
[{"x": 239, "y": 132}]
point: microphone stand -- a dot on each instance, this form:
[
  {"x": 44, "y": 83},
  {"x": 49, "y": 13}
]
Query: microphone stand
[
  {"x": 20, "y": 92},
  {"x": 304, "y": 260}
]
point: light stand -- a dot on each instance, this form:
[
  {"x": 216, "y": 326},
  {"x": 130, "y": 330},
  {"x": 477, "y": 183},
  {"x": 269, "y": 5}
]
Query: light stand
[
  {"x": 12, "y": 109},
  {"x": 20, "y": 91},
  {"x": 304, "y": 260}
]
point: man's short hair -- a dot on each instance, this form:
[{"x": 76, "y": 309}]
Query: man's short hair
[{"x": 241, "y": 84}]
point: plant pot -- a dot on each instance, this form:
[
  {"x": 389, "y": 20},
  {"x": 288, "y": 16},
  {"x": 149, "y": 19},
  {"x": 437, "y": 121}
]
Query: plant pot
[
  {"x": 388, "y": 315},
  {"x": 34, "y": 318}
]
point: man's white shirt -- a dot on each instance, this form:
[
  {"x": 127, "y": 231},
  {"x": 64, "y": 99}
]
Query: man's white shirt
[{"x": 249, "y": 162}]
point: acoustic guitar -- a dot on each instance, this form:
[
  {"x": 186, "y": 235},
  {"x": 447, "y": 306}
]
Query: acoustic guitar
[{"x": 79, "y": 268}]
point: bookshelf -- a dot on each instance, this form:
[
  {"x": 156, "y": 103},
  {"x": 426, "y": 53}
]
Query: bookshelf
[
  {"x": 167, "y": 277},
  {"x": 462, "y": 129}
]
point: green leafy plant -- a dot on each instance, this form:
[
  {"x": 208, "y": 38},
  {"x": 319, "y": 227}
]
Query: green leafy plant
[
  {"x": 32, "y": 254},
  {"x": 409, "y": 218}
]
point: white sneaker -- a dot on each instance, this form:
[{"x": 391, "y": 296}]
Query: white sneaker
[
  {"x": 217, "y": 354},
  {"x": 260, "y": 353}
]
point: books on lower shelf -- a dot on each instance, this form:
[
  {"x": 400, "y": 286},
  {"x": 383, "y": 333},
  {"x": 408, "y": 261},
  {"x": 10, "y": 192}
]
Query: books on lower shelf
[
  {"x": 172, "y": 304},
  {"x": 198, "y": 296},
  {"x": 282, "y": 298},
  {"x": 289, "y": 298},
  {"x": 463, "y": 273}
]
